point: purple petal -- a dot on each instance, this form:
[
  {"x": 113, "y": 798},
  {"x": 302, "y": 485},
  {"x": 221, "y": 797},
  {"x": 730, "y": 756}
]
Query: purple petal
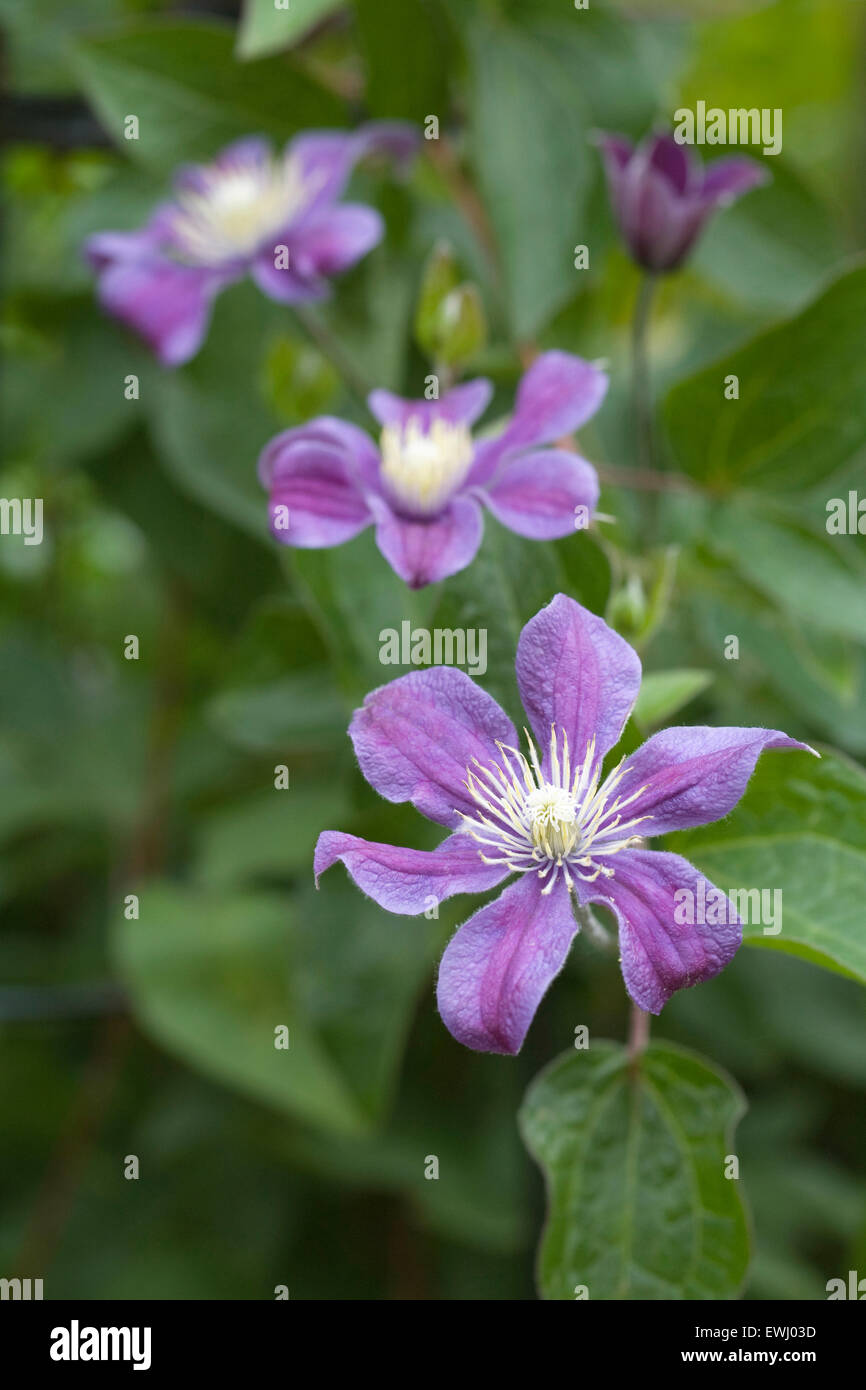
[
  {"x": 359, "y": 453},
  {"x": 416, "y": 737},
  {"x": 694, "y": 775},
  {"x": 498, "y": 966},
  {"x": 672, "y": 161},
  {"x": 250, "y": 152},
  {"x": 168, "y": 305},
  {"x": 327, "y": 157},
  {"x": 575, "y": 672},
  {"x": 556, "y": 395},
  {"x": 405, "y": 880},
  {"x": 536, "y": 494},
  {"x": 660, "y": 949},
  {"x": 728, "y": 179},
  {"x": 422, "y": 552},
  {"x": 314, "y": 498},
  {"x": 335, "y": 239},
  {"x": 616, "y": 151},
  {"x": 658, "y": 223},
  {"x": 462, "y": 405},
  {"x": 320, "y": 247},
  {"x": 104, "y": 248}
]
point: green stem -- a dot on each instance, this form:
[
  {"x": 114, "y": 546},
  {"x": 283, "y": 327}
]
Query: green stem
[
  {"x": 638, "y": 1033},
  {"x": 642, "y": 390},
  {"x": 330, "y": 347}
]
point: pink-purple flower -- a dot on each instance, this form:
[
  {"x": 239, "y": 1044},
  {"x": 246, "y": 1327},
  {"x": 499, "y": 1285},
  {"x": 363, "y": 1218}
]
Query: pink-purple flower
[
  {"x": 662, "y": 195},
  {"x": 570, "y": 831},
  {"x": 423, "y": 488},
  {"x": 277, "y": 218}
]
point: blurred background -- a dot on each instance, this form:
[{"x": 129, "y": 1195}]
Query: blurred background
[{"x": 153, "y": 1037}]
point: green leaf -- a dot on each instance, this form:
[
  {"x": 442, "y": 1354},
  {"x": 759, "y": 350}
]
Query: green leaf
[
  {"x": 662, "y": 693},
  {"x": 213, "y": 973},
  {"x": 801, "y": 411},
  {"x": 800, "y": 828},
  {"x": 210, "y": 420},
  {"x": 638, "y": 1203},
  {"x": 405, "y": 47},
  {"x": 181, "y": 80},
  {"x": 265, "y": 28},
  {"x": 820, "y": 580},
  {"x": 210, "y": 977},
  {"x": 528, "y": 143}
]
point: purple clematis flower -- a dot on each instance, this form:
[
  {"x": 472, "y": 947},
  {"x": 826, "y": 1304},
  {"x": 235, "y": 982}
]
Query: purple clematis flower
[
  {"x": 423, "y": 488},
  {"x": 276, "y": 218},
  {"x": 662, "y": 195},
  {"x": 551, "y": 817}
]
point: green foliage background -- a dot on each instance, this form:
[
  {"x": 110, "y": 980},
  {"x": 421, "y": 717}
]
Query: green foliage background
[{"x": 154, "y": 1037}]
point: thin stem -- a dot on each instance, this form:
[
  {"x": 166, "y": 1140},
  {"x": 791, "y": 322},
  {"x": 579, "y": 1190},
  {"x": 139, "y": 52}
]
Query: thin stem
[
  {"x": 642, "y": 393},
  {"x": 330, "y": 347},
  {"x": 588, "y": 921},
  {"x": 638, "y": 1033}
]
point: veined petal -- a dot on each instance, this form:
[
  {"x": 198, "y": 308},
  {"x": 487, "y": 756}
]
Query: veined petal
[
  {"x": 463, "y": 404},
  {"x": 728, "y": 179},
  {"x": 314, "y": 498},
  {"x": 415, "y": 738},
  {"x": 693, "y": 775},
  {"x": 536, "y": 494},
  {"x": 358, "y": 450},
  {"x": 326, "y": 158},
  {"x": 575, "y": 672},
  {"x": 404, "y": 880},
  {"x": 498, "y": 965},
  {"x": 424, "y": 551},
  {"x": 166, "y": 304},
  {"x": 556, "y": 395},
  {"x": 669, "y": 935}
]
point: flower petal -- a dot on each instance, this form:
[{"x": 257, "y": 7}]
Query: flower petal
[
  {"x": 577, "y": 673},
  {"x": 661, "y": 950},
  {"x": 498, "y": 966},
  {"x": 168, "y": 305},
  {"x": 462, "y": 405},
  {"x": 422, "y": 552},
  {"x": 556, "y": 395},
  {"x": 359, "y": 452},
  {"x": 692, "y": 775},
  {"x": 327, "y": 157},
  {"x": 405, "y": 880},
  {"x": 415, "y": 738},
  {"x": 536, "y": 494},
  {"x": 314, "y": 498},
  {"x": 728, "y": 179},
  {"x": 672, "y": 161},
  {"x": 324, "y": 245}
]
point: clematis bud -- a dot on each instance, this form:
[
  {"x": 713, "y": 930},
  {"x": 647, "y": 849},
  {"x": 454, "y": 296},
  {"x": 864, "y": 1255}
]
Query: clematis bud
[{"x": 662, "y": 195}]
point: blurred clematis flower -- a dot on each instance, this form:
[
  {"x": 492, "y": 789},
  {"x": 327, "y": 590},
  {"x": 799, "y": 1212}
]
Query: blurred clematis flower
[
  {"x": 424, "y": 487},
  {"x": 277, "y": 218},
  {"x": 662, "y": 195},
  {"x": 550, "y": 816}
]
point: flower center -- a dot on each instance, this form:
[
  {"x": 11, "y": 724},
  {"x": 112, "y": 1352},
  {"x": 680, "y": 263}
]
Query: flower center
[
  {"x": 554, "y": 821},
  {"x": 231, "y": 209},
  {"x": 424, "y": 465}
]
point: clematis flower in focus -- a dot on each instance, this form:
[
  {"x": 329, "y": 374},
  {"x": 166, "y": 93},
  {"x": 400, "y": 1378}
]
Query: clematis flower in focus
[
  {"x": 662, "y": 195},
  {"x": 424, "y": 487},
  {"x": 277, "y": 218},
  {"x": 549, "y": 816}
]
